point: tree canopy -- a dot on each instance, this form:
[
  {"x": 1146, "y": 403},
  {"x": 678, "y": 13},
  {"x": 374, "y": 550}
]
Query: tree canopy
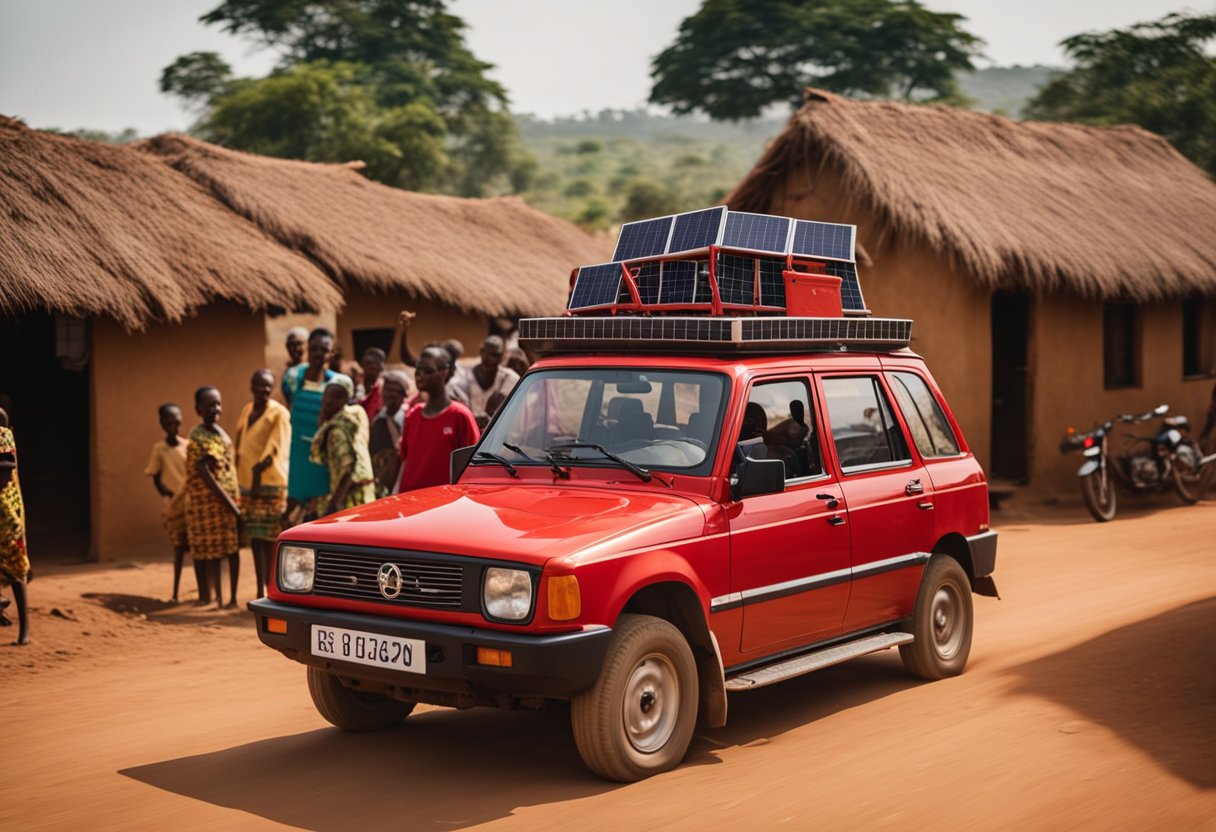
[
  {"x": 733, "y": 58},
  {"x": 390, "y": 82},
  {"x": 1158, "y": 75}
]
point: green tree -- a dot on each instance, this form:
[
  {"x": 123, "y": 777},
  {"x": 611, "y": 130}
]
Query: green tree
[
  {"x": 1158, "y": 75},
  {"x": 408, "y": 93},
  {"x": 733, "y": 58}
]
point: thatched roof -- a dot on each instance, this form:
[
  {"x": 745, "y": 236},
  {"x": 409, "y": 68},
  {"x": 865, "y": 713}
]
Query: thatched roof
[
  {"x": 90, "y": 229},
  {"x": 490, "y": 256},
  {"x": 1097, "y": 211}
]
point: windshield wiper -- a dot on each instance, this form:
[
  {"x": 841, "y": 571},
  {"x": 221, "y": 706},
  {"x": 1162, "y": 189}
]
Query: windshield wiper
[
  {"x": 639, "y": 471},
  {"x": 557, "y": 469},
  {"x": 493, "y": 457}
]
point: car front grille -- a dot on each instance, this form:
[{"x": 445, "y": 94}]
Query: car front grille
[{"x": 424, "y": 583}]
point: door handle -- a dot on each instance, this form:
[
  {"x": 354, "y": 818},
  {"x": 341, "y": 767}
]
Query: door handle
[
  {"x": 831, "y": 499},
  {"x": 914, "y": 487},
  {"x": 925, "y": 505},
  {"x": 836, "y": 520}
]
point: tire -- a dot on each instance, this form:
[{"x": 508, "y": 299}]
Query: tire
[
  {"x": 1101, "y": 504},
  {"x": 941, "y": 622},
  {"x": 639, "y": 718},
  {"x": 350, "y": 709}
]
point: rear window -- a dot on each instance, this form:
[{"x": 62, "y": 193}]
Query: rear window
[
  {"x": 863, "y": 428},
  {"x": 930, "y": 430}
]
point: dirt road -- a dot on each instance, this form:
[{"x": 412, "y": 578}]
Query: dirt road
[{"x": 1089, "y": 702}]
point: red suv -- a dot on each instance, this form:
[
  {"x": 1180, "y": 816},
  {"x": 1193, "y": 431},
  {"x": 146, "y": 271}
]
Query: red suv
[{"x": 667, "y": 509}]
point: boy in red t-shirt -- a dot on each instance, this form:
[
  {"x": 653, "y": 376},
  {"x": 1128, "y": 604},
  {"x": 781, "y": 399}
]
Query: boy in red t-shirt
[{"x": 435, "y": 428}]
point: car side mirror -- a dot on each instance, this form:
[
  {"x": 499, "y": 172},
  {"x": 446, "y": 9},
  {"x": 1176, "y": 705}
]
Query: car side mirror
[
  {"x": 459, "y": 460},
  {"x": 758, "y": 476}
]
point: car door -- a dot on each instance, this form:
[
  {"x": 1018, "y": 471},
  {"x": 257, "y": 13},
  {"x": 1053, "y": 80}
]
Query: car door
[
  {"x": 889, "y": 496},
  {"x": 790, "y": 550}
]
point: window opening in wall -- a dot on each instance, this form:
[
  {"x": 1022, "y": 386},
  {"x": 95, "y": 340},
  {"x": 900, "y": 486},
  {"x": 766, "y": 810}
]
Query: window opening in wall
[
  {"x": 1198, "y": 338},
  {"x": 1120, "y": 345}
]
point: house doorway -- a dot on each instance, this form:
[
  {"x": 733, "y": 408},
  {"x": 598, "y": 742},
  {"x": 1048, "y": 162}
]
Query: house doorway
[
  {"x": 48, "y": 405},
  {"x": 1010, "y": 450}
]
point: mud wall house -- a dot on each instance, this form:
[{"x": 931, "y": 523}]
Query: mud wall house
[
  {"x": 458, "y": 263},
  {"x": 123, "y": 284},
  {"x": 1057, "y": 274}
]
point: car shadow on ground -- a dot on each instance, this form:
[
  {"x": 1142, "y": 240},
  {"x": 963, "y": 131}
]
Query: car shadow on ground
[
  {"x": 1153, "y": 683},
  {"x": 445, "y": 769}
]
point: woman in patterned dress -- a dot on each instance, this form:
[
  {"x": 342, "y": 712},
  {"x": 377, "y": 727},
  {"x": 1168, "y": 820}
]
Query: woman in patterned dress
[
  {"x": 341, "y": 446},
  {"x": 211, "y": 494},
  {"x": 263, "y": 443},
  {"x": 14, "y": 560}
]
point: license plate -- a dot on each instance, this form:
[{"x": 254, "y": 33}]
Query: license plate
[{"x": 373, "y": 649}]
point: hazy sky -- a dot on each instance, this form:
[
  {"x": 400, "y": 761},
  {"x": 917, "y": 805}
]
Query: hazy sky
[{"x": 95, "y": 63}]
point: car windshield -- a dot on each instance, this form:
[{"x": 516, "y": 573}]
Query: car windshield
[{"x": 664, "y": 419}]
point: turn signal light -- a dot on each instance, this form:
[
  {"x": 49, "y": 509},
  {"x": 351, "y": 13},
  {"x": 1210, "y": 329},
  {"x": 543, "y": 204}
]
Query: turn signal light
[
  {"x": 276, "y": 625},
  {"x": 494, "y": 658},
  {"x": 565, "y": 604}
]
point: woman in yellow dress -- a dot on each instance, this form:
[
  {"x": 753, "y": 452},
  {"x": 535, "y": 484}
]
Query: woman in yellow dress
[
  {"x": 14, "y": 560},
  {"x": 263, "y": 446}
]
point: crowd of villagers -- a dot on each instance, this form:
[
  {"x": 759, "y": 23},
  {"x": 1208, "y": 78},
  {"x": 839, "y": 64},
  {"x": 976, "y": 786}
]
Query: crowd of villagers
[{"x": 348, "y": 434}]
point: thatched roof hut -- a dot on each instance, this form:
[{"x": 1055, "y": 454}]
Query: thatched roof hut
[
  {"x": 95, "y": 230},
  {"x": 1092, "y": 211},
  {"x": 486, "y": 256}
]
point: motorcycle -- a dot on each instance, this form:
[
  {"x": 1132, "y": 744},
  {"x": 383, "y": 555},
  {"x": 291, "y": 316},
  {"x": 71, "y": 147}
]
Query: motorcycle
[{"x": 1170, "y": 459}]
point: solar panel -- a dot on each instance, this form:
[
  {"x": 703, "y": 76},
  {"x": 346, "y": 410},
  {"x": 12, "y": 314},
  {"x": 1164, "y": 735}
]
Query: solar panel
[
  {"x": 596, "y": 286},
  {"x": 756, "y": 232},
  {"x": 736, "y": 276},
  {"x": 644, "y": 238},
  {"x": 648, "y": 282},
  {"x": 850, "y": 287},
  {"x": 772, "y": 281},
  {"x": 824, "y": 239},
  {"x": 696, "y": 230},
  {"x": 679, "y": 282}
]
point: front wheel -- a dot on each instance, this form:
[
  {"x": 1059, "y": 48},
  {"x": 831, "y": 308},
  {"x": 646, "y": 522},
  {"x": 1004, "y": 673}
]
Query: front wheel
[
  {"x": 639, "y": 718},
  {"x": 1099, "y": 494},
  {"x": 941, "y": 622},
  {"x": 353, "y": 710}
]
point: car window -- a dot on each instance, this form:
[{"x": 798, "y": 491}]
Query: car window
[
  {"x": 779, "y": 423},
  {"x": 930, "y": 430},
  {"x": 863, "y": 428}
]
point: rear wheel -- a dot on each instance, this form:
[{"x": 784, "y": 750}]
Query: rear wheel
[
  {"x": 941, "y": 622},
  {"x": 1099, "y": 494},
  {"x": 1188, "y": 476},
  {"x": 353, "y": 710},
  {"x": 639, "y": 718}
]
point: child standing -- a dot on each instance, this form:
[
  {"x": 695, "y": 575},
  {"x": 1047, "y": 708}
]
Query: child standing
[
  {"x": 211, "y": 495},
  {"x": 167, "y": 468},
  {"x": 435, "y": 428}
]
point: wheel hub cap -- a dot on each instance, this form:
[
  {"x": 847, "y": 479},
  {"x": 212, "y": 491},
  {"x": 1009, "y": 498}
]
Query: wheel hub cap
[
  {"x": 651, "y": 703},
  {"x": 947, "y": 630}
]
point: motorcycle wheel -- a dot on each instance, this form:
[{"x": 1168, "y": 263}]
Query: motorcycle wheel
[
  {"x": 1100, "y": 502},
  {"x": 1188, "y": 482}
]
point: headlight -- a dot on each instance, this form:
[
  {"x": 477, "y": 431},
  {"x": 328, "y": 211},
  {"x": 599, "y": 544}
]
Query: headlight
[
  {"x": 296, "y": 567},
  {"x": 507, "y": 593}
]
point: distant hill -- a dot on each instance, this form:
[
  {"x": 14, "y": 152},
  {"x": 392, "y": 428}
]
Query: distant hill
[
  {"x": 1004, "y": 89},
  {"x": 599, "y": 169}
]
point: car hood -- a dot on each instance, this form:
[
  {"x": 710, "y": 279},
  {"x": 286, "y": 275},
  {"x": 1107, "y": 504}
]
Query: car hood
[{"x": 528, "y": 524}]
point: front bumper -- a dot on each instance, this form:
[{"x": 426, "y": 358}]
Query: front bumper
[{"x": 543, "y": 666}]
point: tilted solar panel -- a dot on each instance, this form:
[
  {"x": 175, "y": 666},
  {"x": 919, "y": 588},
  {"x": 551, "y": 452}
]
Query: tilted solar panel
[
  {"x": 824, "y": 239},
  {"x": 696, "y": 230},
  {"x": 648, "y": 282},
  {"x": 756, "y": 232},
  {"x": 850, "y": 287},
  {"x": 679, "y": 282},
  {"x": 644, "y": 238},
  {"x": 736, "y": 276},
  {"x": 596, "y": 286}
]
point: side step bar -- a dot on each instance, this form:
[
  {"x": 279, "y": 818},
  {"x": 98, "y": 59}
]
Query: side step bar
[{"x": 797, "y": 666}]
